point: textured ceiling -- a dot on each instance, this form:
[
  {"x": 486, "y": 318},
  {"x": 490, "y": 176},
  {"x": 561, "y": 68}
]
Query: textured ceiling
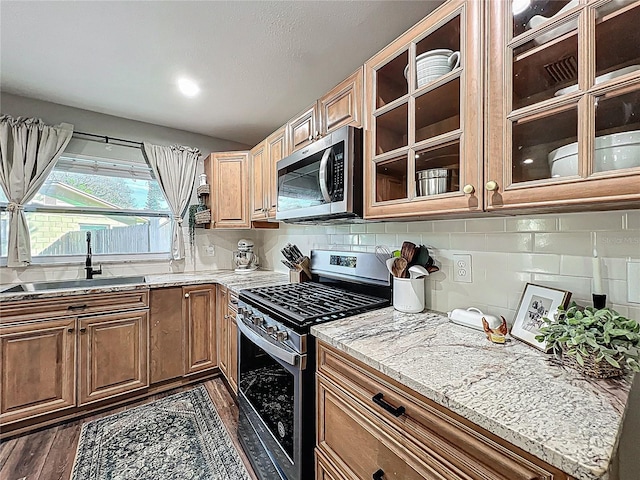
[{"x": 258, "y": 63}]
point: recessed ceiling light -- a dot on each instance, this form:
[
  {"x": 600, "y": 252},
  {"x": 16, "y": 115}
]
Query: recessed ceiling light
[
  {"x": 520, "y": 6},
  {"x": 188, "y": 87},
  {"x": 528, "y": 161}
]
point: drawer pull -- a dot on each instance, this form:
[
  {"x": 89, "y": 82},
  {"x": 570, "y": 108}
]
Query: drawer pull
[
  {"x": 83, "y": 329},
  {"x": 396, "y": 412},
  {"x": 378, "y": 475},
  {"x": 77, "y": 307}
]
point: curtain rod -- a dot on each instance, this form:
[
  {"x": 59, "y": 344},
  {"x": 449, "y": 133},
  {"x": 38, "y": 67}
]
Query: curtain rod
[{"x": 110, "y": 139}]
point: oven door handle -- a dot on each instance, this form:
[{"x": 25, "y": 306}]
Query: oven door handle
[
  {"x": 287, "y": 357},
  {"x": 324, "y": 188}
]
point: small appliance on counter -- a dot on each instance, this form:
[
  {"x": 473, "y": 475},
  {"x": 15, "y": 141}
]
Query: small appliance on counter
[{"x": 244, "y": 258}]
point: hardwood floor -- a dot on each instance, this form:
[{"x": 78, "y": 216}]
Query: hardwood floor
[{"x": 48, "y": 454}]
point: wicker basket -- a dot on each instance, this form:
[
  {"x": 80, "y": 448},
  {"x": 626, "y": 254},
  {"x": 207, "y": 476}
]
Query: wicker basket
[
  {"x": 203, "y": 217},
  {"x": 203, "y": 189},
  {"x": 592, "y": 368}
]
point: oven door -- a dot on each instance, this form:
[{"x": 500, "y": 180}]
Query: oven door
[{"x": 269, "y": 396}]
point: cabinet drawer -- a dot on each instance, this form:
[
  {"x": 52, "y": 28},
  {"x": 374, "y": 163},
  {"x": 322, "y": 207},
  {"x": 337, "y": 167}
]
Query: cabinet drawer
[
  {"x": 345, "y": 424},
  {"x": 90, "y": 303},
  {"x": 441, "y": 434},
  {"x": 326, "y": 471}
]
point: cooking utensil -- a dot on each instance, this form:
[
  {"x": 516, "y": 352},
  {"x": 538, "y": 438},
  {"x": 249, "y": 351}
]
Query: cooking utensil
[
  {"x": 389, "y": 263},
  {"x": 382, "y": 253},
  {"x": 399, "y": 267},
  {"x": 417, "y": 271},
  {"x": 422, "y": 256},
  {"x": 408, "y": 251}
]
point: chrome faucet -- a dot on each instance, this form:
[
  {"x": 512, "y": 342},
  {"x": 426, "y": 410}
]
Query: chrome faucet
[{"x": 88, "y": 267}]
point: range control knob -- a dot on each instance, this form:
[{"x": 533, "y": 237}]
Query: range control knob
[
  {"x": 257, "y": 320},
  {"x": 282, "y": 335},
  {"x": 271, "y": 329}
]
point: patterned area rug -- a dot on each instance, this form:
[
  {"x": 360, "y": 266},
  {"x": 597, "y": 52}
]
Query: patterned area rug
[{"x": 180, "y": 437}]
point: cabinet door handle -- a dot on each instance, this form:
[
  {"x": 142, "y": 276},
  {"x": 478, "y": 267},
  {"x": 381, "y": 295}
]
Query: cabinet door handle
[
  {"x": 186, "y": 295},
  {"x": 70, "y": 330},
  {"x": 83, "y": 329},
  {"x": 378, "y": 475},
  {"x": 468, "y": 189},
  {"x": 77, "y": 307},
  {"x": 491, "y": 186},
  {"x": 396, "y": 412}
]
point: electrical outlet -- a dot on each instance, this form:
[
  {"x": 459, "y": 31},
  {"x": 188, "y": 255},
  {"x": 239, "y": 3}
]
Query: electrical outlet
[
  {"x": 633, "y": 282},
  {"x": 462, "y": 268},
  {"x": 209, "y": 250}
]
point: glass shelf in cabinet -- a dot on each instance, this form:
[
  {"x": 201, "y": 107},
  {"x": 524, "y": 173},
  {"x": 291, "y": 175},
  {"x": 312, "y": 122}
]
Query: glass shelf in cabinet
[
  {"x": 438, "y": 53},
  {"x": 438, "y": 170},
  {"x": 438, "y": 111},
  {"x": 528, "y": 14},
  {"x": 391, "y": 129},
  {"x": 391, "y": 179},
  {"x": 617, "y": 39},
  {"x": 391, "y": 83},
  {"x": 545, "y": 65},
  {"x": 545, "y": 146},
  {"x": 617, "y": 142}
]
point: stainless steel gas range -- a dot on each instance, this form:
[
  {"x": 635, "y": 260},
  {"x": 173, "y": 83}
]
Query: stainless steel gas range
[{"x": 276, "y": 359}]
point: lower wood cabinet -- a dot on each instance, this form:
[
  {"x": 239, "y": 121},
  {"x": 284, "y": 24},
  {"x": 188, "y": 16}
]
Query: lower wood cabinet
[
  {"x": 38, "y": 368},
  {"x": 401, "y": 435},
  {"x": 228, "y": 335},
  {"x": 199, "y": 316},
  {"x": 112, "y": 355}
]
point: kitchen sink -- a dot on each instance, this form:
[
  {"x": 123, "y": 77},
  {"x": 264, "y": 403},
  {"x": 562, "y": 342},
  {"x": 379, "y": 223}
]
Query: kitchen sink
[{"x": 94, "y": 282}]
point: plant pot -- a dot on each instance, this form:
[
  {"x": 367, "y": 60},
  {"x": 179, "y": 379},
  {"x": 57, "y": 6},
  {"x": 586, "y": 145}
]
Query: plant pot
[{"x": 592, "y": 368}]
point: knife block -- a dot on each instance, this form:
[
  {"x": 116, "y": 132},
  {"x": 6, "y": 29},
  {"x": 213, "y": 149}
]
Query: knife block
[{"x": 298, "y": 276}]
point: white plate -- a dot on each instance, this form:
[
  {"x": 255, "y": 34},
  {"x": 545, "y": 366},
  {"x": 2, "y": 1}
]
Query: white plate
[{"x": 600, "y": 79}]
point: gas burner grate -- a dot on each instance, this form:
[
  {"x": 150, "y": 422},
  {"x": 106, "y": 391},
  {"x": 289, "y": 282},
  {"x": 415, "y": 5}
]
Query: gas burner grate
[{"x": 307, "y": 303}]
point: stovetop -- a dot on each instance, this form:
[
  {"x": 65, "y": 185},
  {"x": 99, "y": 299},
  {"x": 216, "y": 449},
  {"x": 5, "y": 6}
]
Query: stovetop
[{"x": 310, "y": 303}]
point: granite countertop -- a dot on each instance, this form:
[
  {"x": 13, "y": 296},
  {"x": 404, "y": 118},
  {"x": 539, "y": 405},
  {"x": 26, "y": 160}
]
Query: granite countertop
[
  {"x": 229, "y": 278},
  {"x": 514, "y": 391}
]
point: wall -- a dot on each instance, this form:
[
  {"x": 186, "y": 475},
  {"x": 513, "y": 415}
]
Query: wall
[
  {"x": 508, "y": 252},
  {"x": 101, "y": 124}
]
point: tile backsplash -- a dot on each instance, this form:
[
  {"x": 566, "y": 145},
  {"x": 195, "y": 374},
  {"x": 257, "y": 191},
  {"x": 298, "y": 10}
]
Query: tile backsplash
[{"x": 507, "y": 252}]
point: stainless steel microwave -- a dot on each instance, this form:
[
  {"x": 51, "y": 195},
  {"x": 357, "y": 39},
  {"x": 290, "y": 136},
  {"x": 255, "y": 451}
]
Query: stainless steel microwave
[{"x": 323, "y": 181}]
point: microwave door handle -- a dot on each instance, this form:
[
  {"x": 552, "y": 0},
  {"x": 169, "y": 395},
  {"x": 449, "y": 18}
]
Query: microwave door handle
[{"x": 324, "y": 188}]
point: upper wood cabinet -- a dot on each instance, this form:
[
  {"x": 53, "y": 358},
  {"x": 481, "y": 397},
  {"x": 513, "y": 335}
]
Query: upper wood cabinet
[
  {"x": 260, "y": 181},
  {"x": 230, "y": 191},
  {"x": 342, "y": 105},
  {"x": 113, "y": 355},
  {"x": 276, "y": 149},
  {"x": 199, "y": 317},
  {"x": 423, "y": 110},
  {"x": 302, "y": 129},
  {"x": 38, "y": 368},
  {"x": 563, "y": 106}
]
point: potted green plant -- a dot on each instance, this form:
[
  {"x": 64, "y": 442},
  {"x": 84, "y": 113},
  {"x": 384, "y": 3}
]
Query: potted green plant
[{"x": 600, "y": 343}]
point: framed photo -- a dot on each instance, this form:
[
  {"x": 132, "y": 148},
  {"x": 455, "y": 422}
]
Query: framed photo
[{"x": 536, "y": 303}]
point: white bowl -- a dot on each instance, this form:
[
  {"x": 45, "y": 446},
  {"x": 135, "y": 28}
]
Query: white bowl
[
  {"x": 612, "y": 152},
  {"x": 600, "y": 79},
  {"x": 556, "y": 32},
  {"x": 432, "y": 65}
]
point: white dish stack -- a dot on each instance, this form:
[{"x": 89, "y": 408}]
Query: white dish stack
[{"x": 433, "y": 64}]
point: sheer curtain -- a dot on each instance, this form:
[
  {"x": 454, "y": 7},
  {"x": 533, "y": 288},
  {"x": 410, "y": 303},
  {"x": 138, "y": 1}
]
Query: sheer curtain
[
  {"x": 175, "y": 169},
  {"x": 29, "y": 150}
]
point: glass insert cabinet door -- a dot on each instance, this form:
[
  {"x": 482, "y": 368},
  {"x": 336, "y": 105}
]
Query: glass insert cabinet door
[
  {"x": 423, "y": 152},
  {"x": 563, "y": 102}
]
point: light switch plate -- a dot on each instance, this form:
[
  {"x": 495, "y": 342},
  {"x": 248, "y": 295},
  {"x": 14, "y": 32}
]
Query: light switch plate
[
  {"x": 462, "y": 268},
  {"x": 633, "y": 282}
]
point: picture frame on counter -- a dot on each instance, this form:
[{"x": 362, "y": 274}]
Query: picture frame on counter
[{"x": 536, "y": 303}]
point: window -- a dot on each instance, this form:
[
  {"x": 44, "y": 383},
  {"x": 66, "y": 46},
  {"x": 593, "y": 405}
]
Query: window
[{"x": 103, "y": 188}]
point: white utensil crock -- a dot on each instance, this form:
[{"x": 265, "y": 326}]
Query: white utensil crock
[{"x": 408, "y": 294}]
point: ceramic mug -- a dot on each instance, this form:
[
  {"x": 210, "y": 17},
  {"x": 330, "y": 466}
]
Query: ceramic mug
[{"x": 408, "y": 294}]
